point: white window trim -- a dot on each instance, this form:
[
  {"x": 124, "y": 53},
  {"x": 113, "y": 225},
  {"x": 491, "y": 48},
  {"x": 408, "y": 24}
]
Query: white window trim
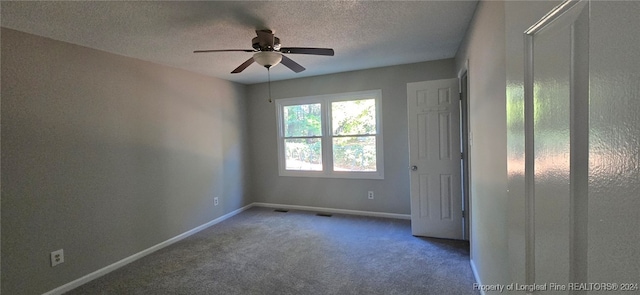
[{"x": 327, "y": 149}]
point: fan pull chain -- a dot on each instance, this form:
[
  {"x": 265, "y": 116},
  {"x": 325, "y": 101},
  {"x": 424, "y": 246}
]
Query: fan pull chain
[{"x": 269, "y": 83}]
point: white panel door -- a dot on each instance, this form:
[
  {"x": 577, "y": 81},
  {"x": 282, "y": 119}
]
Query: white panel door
[{"x": 434, "y": 153}]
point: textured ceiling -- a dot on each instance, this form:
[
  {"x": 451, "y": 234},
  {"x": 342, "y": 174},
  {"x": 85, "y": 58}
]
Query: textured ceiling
[{"x": 364, "y": 34}]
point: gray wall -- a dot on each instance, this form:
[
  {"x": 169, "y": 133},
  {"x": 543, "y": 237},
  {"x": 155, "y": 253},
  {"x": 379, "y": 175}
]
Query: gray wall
[
  {"x": 494, "y": 47},
  {"x": 483, "y": 47},
  {"x": 614, "y": 143},
  {"x": 105, "y": 156},
  {"x": 392, "y": 193}
]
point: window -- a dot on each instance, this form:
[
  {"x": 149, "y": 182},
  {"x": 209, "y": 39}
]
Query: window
[{"x": 337, "y": 135}]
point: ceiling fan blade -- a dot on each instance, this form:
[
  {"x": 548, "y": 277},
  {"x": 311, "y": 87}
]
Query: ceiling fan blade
[
  {"x": 294, "y": 66},
  {"x": 224, "y": 50},
  {"x": 307, "y": 50},
  {"x": 265, "y": 37},
  {"x": 243, "y": 66}
]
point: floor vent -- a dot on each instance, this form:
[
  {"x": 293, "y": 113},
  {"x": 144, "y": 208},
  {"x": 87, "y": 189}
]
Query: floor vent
[
  {"x": 324, "y": 214},
  {"x": 281, "y": 210}
]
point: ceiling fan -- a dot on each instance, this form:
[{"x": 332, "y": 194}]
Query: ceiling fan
[{"x": 268, "y": 53}]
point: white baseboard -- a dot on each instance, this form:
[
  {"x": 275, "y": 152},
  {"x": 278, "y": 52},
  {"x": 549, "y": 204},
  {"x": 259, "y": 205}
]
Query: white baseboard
[
  {"x": 105, "y": 270},
  {"x": 333, "y": 210},
  {"x": 475, "y": 275}
]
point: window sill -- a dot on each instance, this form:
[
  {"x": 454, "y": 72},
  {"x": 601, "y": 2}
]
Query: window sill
[{"x": 335, "y": 174}]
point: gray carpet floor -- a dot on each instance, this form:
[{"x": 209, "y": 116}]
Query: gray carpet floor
[{"x": 260, "y": 251}]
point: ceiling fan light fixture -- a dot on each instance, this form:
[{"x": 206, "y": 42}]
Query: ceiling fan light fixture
[{"x": 267, "y": 59}]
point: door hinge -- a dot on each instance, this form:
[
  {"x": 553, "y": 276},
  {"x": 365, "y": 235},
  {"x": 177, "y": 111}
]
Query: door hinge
[
  {"x": 460, "y": 95},
  {"x": 463, "y": 214},
  {"x": 461, "y": 155}
]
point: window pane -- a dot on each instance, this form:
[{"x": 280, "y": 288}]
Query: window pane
[
  {"x": 354, "y": 117},
  {"x": 354, "y": 153},
  {"x": 303, "y": 154},
  {"x": 302, "y": 120}
]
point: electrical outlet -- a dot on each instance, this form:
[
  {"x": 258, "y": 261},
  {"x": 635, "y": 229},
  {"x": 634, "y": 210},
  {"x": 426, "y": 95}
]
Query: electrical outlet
[
  {"x": 57, "y": 257},
  {"x": 215, "y": 201},
  {"x": 370, "y": 195}
]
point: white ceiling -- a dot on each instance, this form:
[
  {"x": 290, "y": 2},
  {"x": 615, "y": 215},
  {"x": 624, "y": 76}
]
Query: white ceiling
[{"x": 364, "y": 34}]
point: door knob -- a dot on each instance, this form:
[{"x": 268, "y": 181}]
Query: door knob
[{"x": 414, "y": 168}]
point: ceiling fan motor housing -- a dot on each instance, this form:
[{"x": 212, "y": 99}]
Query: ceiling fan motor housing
[{"x": 266, "y": 47}]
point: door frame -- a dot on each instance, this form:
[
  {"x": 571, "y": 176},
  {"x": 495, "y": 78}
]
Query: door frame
[
  {"x": 465, "y": 144},
  {"x": 579, "y": 139}
]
